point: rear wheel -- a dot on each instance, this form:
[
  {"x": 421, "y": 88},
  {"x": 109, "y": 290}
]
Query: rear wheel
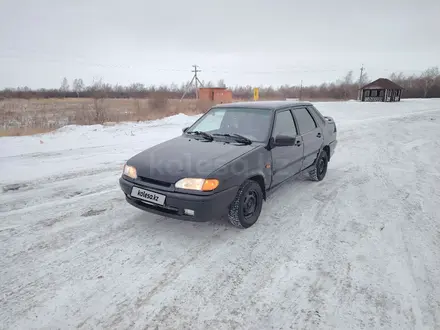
[
  {"x": 319, "y": 170},
  {"x": 246, "y": 207}
]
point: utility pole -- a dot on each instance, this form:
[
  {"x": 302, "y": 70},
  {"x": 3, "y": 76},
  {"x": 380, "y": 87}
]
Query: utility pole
[
  {"x": 194, "y": 80},
  {"x": 300, "y": 90},
  {"x": 360, "y": 82}
]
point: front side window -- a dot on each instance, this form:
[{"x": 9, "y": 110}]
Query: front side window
[
  {"x": 251, "y": 123},
  {"x": 284, "y": 124}
]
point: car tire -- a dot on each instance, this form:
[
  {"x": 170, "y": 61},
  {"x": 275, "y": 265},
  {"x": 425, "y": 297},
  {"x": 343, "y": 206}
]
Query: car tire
[
  {"x": 319, "y": 169},
  {"x": 245, "y": 209}
]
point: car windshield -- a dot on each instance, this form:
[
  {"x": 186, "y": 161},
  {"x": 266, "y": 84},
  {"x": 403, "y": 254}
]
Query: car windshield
[{"x": 253, "y": 124}]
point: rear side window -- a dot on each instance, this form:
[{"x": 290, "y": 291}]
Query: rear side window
[
  {"x": 305, "y": 120},
  {"x": 316, "y": 114},
  {"x": 284, "y": 124}
]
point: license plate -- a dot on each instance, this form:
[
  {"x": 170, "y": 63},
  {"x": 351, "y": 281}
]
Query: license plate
[{"x": 148, "y": 196}]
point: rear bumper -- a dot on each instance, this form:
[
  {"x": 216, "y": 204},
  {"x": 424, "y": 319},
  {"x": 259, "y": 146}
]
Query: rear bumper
[
  {"x": 333, "y": 147},
  {"x": 205, "y": 207}
]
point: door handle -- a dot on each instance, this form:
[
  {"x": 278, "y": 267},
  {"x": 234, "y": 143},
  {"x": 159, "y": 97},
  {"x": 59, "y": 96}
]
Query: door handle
[
  {"x": 298, "y": 143},
  {"x": 318, "y": 135}
]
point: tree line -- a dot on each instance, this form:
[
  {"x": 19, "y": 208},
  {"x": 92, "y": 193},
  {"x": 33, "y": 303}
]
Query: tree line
[{"x": 423, "y": 85}]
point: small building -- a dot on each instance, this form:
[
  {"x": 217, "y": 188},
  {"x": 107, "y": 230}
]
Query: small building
[
  {"x": 215, "y": 94},
  {"x": 381, "y": 90}
]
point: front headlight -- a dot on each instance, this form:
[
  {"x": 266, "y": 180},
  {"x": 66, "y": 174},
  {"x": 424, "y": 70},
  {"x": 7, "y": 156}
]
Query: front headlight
[
  {"x": 130, "y": 171},
  {"x": 197, "y": 184}
]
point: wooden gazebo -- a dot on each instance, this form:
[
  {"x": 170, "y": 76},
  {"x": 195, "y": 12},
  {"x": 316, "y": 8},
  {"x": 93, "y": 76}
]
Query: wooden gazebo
[{"x": 381, "y": 90}]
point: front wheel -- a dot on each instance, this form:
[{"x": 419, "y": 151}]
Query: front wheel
[
  {"x": 246, "y": 207},
  {"x": 319, "y": 170}
]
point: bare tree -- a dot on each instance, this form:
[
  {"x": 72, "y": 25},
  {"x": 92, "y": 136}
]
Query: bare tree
[
  {"x": 348, "y": 79},
  {"x": 78, "y": 86},
  {"x": 64, "y": 86},
  {"x": 209, "y": 84},
  {"x": 417, "y": 85},
  {"x": 221, "y": 83},
  {"x": 347, "y": 84},
  {"x": 428, "y": 79},
  {"x": 364, "y": 79}
]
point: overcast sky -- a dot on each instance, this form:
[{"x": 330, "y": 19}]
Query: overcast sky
[{"x": 252, "y": 42}]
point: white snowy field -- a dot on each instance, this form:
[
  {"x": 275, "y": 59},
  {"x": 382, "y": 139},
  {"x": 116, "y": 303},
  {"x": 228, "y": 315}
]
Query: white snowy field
[{"x": 359, "y": 250}]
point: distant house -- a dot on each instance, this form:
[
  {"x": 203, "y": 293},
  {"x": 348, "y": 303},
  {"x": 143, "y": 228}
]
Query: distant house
[
  {"x": 216, "y": 94},
  {"x": 381, "y": 90}
]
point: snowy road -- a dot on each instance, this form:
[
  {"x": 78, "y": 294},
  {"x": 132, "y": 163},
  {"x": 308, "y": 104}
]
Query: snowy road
[{"x": 359, "y": 250}]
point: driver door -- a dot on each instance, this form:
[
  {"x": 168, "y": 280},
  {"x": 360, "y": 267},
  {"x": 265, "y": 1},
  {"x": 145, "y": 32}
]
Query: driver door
[{"x": 286, "y": 160}]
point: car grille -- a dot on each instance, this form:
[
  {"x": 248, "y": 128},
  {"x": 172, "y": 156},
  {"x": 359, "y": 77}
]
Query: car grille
[
  {"x": 155, "y": 182},
  {"x": 162, "y": 208}
]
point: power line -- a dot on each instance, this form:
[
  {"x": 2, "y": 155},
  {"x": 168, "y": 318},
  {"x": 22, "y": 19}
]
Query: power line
[
  {"x": 85, "y": 63},
  {"x": 10, "y": 53},
  {"x": 235, "y": 71},
  {"x": 125, "y": 66}
]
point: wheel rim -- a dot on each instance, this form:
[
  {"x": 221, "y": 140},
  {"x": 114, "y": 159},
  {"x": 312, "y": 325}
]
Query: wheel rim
[
  {"x": 322, "y": 166},
  {"x": 250, "y": 204}
]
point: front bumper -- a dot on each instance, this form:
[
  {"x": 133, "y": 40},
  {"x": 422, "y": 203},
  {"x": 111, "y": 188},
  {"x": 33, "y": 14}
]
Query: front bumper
[{"x": 205, "y": 207}]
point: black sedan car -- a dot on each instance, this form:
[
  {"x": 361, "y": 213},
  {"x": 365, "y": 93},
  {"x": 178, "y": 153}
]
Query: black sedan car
[{"x": 228, "y": 161}]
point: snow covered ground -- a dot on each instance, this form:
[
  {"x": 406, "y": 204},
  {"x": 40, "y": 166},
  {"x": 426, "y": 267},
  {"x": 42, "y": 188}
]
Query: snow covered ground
[{"x": 359, "y": 250}]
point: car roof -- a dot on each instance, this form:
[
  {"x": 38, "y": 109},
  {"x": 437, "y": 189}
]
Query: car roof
[{"x": 263, "y": 105}]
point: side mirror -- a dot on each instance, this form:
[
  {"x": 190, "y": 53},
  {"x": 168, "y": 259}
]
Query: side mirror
[
  {"x": 284, "y": 141},
  {"x": 184, "y": 129}
]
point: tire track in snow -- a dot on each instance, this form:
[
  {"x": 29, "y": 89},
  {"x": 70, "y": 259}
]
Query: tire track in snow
[
  {"x": 59, "y": 152},
  {"x": 257, "y": 264},
  {"x": 34, "y": 184},
  {"x": 398, "y": 117},
  {"x": 62, "y": 189},
  {"x": 347, "y": 286},
  {"x": 317, "y": 258}
]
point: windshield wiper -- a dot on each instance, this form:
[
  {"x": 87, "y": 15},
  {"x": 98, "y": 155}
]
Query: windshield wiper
[
  {"x": 243, "y": 138},
  {"x": 238, "y": 137},
  {"x": 207, "y": 136}
]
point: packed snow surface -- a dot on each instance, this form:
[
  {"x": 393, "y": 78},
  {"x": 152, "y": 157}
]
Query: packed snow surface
[{"x": 359, "y": 250}]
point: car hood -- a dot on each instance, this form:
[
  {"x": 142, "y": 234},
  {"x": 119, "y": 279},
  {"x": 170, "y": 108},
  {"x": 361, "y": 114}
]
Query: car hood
[{"x": 184, "y": 157}]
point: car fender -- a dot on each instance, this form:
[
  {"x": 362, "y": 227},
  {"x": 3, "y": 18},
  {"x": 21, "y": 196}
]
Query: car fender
[
  {"x": 265, "y": 182},
  {"x": 255, "y": 162}
]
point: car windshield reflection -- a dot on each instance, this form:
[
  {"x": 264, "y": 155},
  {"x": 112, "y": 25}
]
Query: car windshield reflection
[{"x": 252, "y": 124}]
